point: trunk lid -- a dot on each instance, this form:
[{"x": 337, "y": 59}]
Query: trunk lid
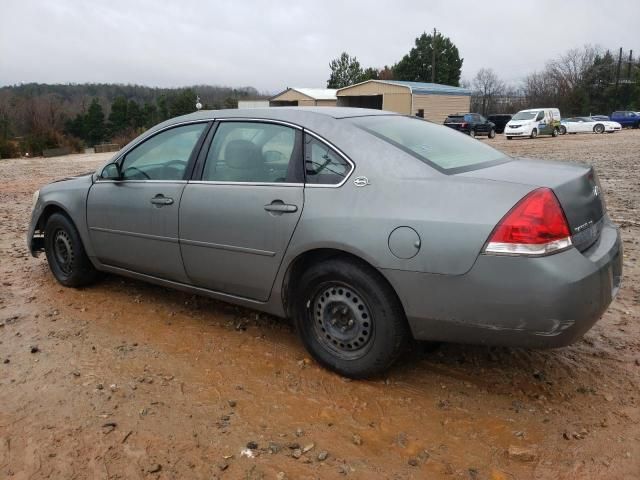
[{"x": 575, "y": 185}]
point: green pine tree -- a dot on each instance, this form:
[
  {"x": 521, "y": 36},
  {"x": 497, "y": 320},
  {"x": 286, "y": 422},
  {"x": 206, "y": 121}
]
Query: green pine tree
[{"x": 417, "y": 65}]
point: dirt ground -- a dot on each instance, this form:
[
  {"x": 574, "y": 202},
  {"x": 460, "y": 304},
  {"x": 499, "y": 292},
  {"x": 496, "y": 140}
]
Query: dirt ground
[{"x": 126, "y": 380}]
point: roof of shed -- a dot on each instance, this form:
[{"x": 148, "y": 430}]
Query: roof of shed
[
  {"x": 422, "y": 88},
  {"x": 314, "y": 93}
]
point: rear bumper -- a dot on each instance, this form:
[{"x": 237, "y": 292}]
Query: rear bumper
[
  {"x": 515, "y": 301},
  {"x": 458, "y": 128}
]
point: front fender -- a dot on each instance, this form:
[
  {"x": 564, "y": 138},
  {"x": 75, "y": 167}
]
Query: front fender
[{"x": 67, "y": 196}]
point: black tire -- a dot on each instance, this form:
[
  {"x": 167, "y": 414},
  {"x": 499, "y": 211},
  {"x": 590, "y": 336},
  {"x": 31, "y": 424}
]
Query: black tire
[
  {"x": 509, "y": 138},
  {"x": 534, "y": 133},
  {"x": 492, "y": 133},
  {"x": 67, "y": 258},
  {"x": 637, "y": 125},
  {"x": 563, "y": 130},
  {"x": 555, "y": 133},
  {"x": 598, "y": 128},
  {"x": 349, "y": 318}
]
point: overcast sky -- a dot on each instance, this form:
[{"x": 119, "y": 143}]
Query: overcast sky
[{"x": 272, "y": 44}]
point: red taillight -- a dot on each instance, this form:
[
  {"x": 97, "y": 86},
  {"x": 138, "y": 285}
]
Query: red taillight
[
  {"x": 463, "y": 125},
  {"x": 535, "y": 226}
]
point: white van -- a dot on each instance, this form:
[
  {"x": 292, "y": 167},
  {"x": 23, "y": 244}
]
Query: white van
[{"x": 533, "y": 122}]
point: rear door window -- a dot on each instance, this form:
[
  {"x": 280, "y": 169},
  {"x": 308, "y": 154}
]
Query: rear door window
[
  {"x": 252, "y": 152},
  {"x": 323, "y": 165}
]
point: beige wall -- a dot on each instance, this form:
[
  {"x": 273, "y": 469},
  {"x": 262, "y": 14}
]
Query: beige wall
[
  {"x": 437, "y": 107},
  {"x": 303, "y": 100},
  {"x": 397, "y": 102},
  {"x": 326, "y": 103},
  {"x": 290, "y": 95},
  {"x": 397, "y": 98}
]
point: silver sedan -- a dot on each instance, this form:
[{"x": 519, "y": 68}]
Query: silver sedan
[{"x": 368, "y": 228}]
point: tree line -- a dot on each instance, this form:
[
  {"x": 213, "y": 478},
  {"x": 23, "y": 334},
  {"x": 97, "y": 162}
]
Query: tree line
[{"x": 35, "y": 117}]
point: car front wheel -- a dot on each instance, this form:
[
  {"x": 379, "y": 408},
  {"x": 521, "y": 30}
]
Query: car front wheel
[
  {"x": 599, "y": 128},
  {"x": 66, "y": 256},
  {"x": 534, "y": 133},
  {"x": 349, "y": 318}
]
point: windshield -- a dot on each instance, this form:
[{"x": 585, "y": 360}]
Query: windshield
[
  {"x": 443, "y": 148},
  {"x": 524, "y": 116}
]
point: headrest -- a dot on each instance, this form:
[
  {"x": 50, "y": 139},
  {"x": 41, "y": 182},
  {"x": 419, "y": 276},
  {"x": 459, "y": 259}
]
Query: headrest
[{"x": 243, "y": 154}]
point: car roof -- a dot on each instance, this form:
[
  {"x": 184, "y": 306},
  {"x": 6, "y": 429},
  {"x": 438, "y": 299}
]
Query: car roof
[{"x": 291, "y": 114}]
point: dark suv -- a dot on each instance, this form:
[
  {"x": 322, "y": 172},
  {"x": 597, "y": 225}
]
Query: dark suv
[
  {"x": 500, "y": 120},
  {"x": 472, "y": 124}
]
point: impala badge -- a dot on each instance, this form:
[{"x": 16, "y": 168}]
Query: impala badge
[{"x": 361, "y": 181}]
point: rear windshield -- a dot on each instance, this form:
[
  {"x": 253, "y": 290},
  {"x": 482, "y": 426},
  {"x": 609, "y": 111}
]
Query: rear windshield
[
  {"x": 455, "y": 118},
  {"x": 443, "y": 148}
]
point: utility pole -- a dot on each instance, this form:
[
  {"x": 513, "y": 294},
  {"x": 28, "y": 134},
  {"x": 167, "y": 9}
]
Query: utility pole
[
  {"x": 433, "y": 56},
  {"x": 618, "y": 78},
  {"x": 629, "y": 64}
]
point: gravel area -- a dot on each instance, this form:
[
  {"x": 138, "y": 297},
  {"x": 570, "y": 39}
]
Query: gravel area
[{"x": 127, "y": 380}]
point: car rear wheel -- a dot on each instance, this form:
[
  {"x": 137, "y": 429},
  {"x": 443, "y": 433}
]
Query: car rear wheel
[
  {"x": 349, "y": 318},
  {"x": 555, "y": 132},
  {"x": 66, "y": 256},
  {"x": 492, "y": 133},
  {"x": 472, "y": 133},
  {"x": 534, "y": 133},
  {"x": 599, "y": 128},
  {"x": 563, "y": 130}
]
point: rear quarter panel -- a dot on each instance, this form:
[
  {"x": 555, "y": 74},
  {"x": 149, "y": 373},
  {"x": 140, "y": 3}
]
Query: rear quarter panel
[{"x": 452, "y": 215}]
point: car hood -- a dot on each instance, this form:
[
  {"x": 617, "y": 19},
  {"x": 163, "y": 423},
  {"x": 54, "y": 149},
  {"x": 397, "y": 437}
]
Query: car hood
[{"x": 71, "y": 177}]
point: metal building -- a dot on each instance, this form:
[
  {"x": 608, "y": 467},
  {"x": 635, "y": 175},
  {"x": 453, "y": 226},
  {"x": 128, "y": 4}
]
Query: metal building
[
  {"x": 253, "y": 103},
  {"x": 428, "y": 100},
  {"x": 304, "y": 97}
]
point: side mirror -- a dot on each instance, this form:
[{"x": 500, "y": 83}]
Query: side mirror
[{"x": 111, "y": 172}]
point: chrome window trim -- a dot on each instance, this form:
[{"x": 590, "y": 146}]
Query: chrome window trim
[
  {"x": 259, "y": 120},
  {"x": 100, "y": 180},
  {"x": 251, "y": 184},
  {"x": 122, "y": 154},
  {"x": 339, "y": 152}
]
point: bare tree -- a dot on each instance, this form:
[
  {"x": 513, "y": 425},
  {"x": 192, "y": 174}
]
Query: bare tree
[{"x": 486, "y": 87}]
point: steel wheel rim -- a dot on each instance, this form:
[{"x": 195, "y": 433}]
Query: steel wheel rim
[
  {"x": 63, "y": 251},
  {"x": 342, "y": 321}
]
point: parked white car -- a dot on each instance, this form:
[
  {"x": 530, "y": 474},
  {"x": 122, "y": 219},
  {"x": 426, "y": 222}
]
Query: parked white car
[{"x": 588, "y": 125}]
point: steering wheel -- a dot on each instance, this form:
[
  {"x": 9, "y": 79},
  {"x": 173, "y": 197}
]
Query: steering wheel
[{"x": 137, "y": 170}]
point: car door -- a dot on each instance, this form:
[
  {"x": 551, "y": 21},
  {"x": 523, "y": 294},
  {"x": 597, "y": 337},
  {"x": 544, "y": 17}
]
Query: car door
[
  {"x": 584, "y": 125},
  {"x": 133, "y": 220},
  {"x": 237, "y": 218}
]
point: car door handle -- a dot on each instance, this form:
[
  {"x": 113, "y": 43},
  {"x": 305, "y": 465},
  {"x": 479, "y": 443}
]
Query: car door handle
[
  {"x": 161, "y": 200},
  {"x": 277, "y": 206}
]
